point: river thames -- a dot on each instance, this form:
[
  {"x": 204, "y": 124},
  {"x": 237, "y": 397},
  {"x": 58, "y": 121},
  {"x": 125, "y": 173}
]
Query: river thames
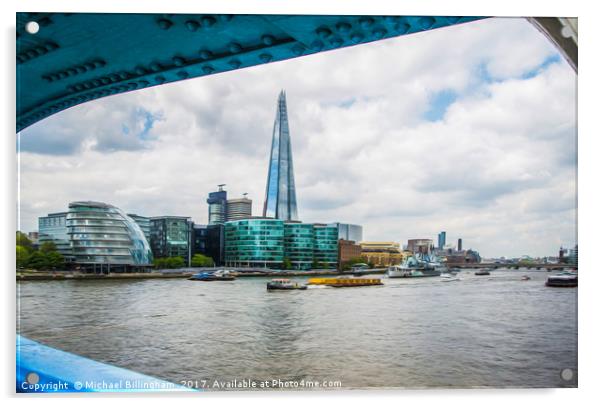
[{"x": 482, "y": 331}]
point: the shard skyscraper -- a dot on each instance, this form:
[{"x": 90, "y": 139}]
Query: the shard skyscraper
[{"x": 280, "y": 195}]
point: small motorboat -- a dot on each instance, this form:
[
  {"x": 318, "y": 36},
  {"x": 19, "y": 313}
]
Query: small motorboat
[
  {"x": 285, "y": 284},
  {"x": 525, "y": 278},
  {"x": 449, "y": 277},
  {"x": 212, "y": 276},
  {"x": 481, "y": 272},
  {"x": 562, "y": 281}
]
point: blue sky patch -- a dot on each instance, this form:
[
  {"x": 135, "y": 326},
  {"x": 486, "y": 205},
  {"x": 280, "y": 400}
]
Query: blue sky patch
[
  {"x": 148, "y": 120},
  {"x": 438, "y": 104},
  {"x": 547, "y": 62}
]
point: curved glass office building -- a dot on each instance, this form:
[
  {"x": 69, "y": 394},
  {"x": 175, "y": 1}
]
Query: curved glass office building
[
  {"x": 104, "y": 238},
  {"x": 254, "y": 243}
]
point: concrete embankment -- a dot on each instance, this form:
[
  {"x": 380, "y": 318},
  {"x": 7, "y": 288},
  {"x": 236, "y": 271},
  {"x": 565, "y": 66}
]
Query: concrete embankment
[{"x": 66, "y": 275}]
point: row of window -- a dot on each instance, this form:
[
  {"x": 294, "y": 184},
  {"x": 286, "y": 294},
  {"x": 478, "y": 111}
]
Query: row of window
[
  {"x": 98, "y": 229},
  {"x": 94, "y": 215},
  {"x": 51, "y": 222},
  {"x": 101, "y": 243},
  {"x": 106, "y": 237},
  {"x": 99, "y": 251}
]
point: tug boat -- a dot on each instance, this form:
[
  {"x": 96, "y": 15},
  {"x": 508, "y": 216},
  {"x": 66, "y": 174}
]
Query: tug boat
[
  {"x": 481, "y": 272},
  {"x": 285, "y": 284},
  {"x": 344, "y": 282},
  {"x": 212, "y": 276}
]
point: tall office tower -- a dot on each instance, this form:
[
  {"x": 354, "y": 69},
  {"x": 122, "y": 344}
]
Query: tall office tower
[
  {"x": 238, "y": 209},
  {"x": 441, "y": 240},
  {"x": 459, "y": 244},
  {"x": 218, "y": 203},
  {"x": 280, "y": 195}
]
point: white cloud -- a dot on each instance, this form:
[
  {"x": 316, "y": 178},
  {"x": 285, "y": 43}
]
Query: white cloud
[{"x": 497, "y": 170}]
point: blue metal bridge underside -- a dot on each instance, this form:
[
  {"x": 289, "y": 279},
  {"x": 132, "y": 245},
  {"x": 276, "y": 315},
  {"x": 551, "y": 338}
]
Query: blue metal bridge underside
[
  {"x": 42, "y": 369},
  {"x": 78, "y": 57}
]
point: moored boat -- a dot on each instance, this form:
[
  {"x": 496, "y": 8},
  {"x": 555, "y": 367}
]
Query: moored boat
[
  {"x": 285, "y": 284},
  {"x": 212, "y": 276}
]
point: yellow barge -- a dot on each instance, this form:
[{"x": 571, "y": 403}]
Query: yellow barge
[{"x": 344, "y": 282}]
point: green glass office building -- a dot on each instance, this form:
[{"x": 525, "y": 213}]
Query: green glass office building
[
  {"x": 254, "y": 243},
  {"x": 267, "y": 242},
  {"x": 299, "y": 244},
  {"x": 326, "y": 245}
]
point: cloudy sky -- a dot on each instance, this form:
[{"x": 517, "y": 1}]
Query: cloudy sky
[{"x": 469, "y": 129}]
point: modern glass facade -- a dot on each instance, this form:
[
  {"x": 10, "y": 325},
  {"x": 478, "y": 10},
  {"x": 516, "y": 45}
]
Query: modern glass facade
[
  {"x": 266, "y": 243},
  {"x": 209, "y": 241},
  {"x": 170, "y": 237},
  {"x": 280, "y": 195},
  {"x": 218, "y": 202},
  {"x": 350, "y": 232},
  {"x": 103, "y": 235},
  {"x": 254, "y": 243},
  {"x": 299, "y": 244},
  {"x": 53, "y": 228},
  {"x": 144, "y": 223},
  {"x": 326, "y": 245},
  {"x": 441, "y": 240}
]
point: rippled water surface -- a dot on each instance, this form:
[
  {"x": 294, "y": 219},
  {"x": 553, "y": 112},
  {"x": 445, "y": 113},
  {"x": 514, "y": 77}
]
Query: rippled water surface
[{"x": 494, "y": 331}]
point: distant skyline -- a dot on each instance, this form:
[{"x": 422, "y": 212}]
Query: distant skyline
[{"x": 469, "y": 129}]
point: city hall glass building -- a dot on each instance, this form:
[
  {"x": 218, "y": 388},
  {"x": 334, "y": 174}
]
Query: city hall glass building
[
  {"x": 104, "y": 238},
  {"x": 280, "y": 195},
  {"x": 267, "y": 243}
]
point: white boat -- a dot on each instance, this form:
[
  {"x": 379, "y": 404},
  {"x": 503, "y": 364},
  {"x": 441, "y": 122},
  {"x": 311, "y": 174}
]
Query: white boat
[
  {"x": 448, "y": 277},
  {"x": 285, "y": 284}
]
